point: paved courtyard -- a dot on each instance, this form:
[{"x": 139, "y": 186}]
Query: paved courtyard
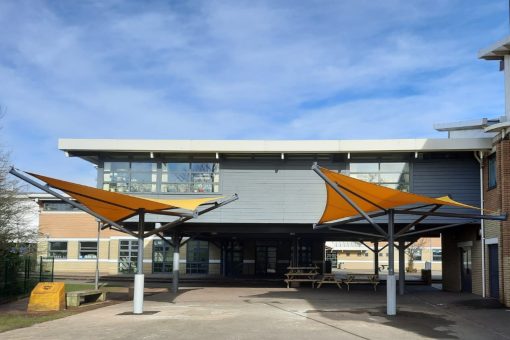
[{"x": 280, "y": 313}]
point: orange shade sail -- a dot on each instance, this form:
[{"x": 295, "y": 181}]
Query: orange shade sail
[
  {"x": 116, "y": 206},
  {"x": 376, "y": 198}
]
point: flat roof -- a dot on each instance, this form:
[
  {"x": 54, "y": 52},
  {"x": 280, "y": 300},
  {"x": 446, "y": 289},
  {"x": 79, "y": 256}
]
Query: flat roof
[
  {"x": 79, "y": 146},
  {"x": 496, "y": 51}
]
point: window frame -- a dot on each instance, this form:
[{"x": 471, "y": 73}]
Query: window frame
[
  {"x": 130, "y": 174},
  {"x": 406, "y": 172},
  {"x": 492, "y": 171},
  {"x": 196, "y": 182},
  {"x": 440, "y": 254},
  {"x": 191, "y": 174},
  {"x": 51, "y": 251},
  {"x": 132, "y": 251},
  {"x": 80, "y": 250},
  {"x": 197, "y": 266},
  {"x": 419, "y": 255}
]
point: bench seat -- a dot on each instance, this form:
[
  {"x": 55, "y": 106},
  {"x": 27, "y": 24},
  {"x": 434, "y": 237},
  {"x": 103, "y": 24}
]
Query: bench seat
[{"x": 79, "y": 297}]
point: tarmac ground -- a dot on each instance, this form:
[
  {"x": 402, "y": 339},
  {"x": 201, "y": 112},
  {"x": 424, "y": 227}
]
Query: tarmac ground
[{"x": 285, "y": 313}]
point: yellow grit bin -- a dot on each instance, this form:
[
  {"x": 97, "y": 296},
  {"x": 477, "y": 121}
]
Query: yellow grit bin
[{"x": 47, "y": 296}]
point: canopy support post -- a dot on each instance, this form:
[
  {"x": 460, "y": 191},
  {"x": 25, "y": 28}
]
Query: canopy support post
[
  {"x": 175, "y": 269},
  {"x": 139, "y": 277},
  {"x": 391, "y": 297},
  {"x": 401, "y": 267},
  {"x": 376, "y": 258},
  {"x": 96, "y": 278}
]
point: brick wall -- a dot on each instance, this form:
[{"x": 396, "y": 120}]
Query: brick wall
[
  {"x": 503, "y": 159},
  {"x": 498, "y": 199}
]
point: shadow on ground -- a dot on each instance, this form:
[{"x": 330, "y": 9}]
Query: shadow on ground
[{"x": 360, "y": 304}]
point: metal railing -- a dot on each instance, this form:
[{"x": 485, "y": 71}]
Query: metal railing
[{"x": 18, "y": 276}]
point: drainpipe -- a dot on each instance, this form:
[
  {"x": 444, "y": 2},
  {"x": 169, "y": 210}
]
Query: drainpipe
[{"x": 479, "y": 158}]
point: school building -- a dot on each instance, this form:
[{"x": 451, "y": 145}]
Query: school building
[
  {"x": 280, "y": 199},
  {"x": 270, "y": 226}
]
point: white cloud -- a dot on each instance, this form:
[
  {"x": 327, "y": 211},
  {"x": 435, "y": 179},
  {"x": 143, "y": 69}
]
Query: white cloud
[{"x": 275, "y": 69}]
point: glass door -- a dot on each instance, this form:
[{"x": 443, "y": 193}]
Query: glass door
[
  {"x": 233, "y": 259},
  {"x": 128, "y": 255},
  {"x": 162, "y": 257},
  {"x": 265, "y": 261},
  {"x": 465, "y": 270}
]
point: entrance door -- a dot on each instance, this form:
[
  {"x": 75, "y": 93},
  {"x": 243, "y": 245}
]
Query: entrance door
[
  {"x": 233, "y": 259},
  {"x": 162, "y": 257},
  {"x": 493, "y": 271},
  {"x": 265, "y": 260},
  {"x": 465, "y": 269}
]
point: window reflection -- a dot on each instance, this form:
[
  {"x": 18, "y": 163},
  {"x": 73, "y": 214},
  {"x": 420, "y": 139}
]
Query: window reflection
[
  {"x": 174, "y": 177},
  {"x": 130, "y": 176},
  {"x": 190, "y": 177},
  {"x": 394, "y": 175}
]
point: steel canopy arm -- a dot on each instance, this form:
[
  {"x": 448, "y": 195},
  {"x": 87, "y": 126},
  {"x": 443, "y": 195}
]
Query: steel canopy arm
[
  {"x": 317, "y": 170},
  {"x": 79, "y": 206}
]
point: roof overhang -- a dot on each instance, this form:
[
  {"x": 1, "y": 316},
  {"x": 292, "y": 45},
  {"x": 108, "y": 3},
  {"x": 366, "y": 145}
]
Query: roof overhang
[
  {"x": 84, "y": 147},
  {"x": 496, "y": 51}
]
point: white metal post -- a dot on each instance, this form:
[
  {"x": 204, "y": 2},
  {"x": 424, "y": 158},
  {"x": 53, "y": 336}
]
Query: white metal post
[
  {"x": 391, "y": 297},
  {"x": 175, "y": 269},
  {"x": 96, "y": 280},
  {"x": 139, "y": 277}
]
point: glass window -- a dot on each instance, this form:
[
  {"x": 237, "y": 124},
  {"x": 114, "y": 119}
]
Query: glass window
[
  {"x": 130, "y": 176},
  {"x": 393, "y": 175},
  {"x": 190, "y": 177},
  {"x": 416, "y": 254},
  {"x": 58, "y": 250},
  {"x": 436, "y": 254},
  {"x": 88, "y": 250},
  {"x": 128, "y": 256},
  {"x": 58, "y": 206},
  {"x": 197, "y": 259},
  {"x": 492, "y": 173}
]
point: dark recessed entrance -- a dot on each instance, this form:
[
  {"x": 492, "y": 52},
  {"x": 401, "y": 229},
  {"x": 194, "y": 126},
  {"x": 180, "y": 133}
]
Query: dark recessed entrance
[{"x": 493, "y": 271}]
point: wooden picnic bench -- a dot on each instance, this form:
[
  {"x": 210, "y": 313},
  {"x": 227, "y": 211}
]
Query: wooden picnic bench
[
  {"x": 301, "y": 274},
  {"x": 76, "y": 298},
  {"x": 329, "y": 278},
  {"x": 361, "y": 279}
]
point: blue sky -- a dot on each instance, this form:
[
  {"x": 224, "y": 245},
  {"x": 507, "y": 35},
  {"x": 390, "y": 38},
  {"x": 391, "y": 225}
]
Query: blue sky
[{"x": 351, "y": 69}]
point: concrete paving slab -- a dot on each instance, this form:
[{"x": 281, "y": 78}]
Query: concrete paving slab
[{"x": 281, "y": 313}]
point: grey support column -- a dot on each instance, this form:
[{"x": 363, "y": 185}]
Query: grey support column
[
  {"x": 401, "y": 267},
  {"x": 295, "y": 255},
  {"x": 139, "y": 277},
  {"x": 376, "y": 258},
  {"x": 176, "y": 239},
  {"x": 391, "y": 297}
]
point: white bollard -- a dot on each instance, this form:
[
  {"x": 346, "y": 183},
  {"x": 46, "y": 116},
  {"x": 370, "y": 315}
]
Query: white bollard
[
  {"x": 138, "y": 294},
  {"x": 391, "y": 295}
]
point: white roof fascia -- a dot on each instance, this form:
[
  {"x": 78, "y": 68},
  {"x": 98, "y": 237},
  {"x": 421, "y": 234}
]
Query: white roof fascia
[
  {"x": 274, "y": 146},
  {"x": 496, "y": 51}
]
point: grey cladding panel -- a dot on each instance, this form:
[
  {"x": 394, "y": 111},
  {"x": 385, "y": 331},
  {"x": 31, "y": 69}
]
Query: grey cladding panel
[
  {"x": 280, "y": 192},
  {"x": 290, "y": 192}
]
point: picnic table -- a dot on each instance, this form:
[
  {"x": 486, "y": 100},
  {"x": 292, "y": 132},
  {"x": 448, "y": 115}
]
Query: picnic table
[
  {"x": 361, "y": 278},
  {"x": 301, "y": 274},
  {"x": 329, "y": 278}
]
